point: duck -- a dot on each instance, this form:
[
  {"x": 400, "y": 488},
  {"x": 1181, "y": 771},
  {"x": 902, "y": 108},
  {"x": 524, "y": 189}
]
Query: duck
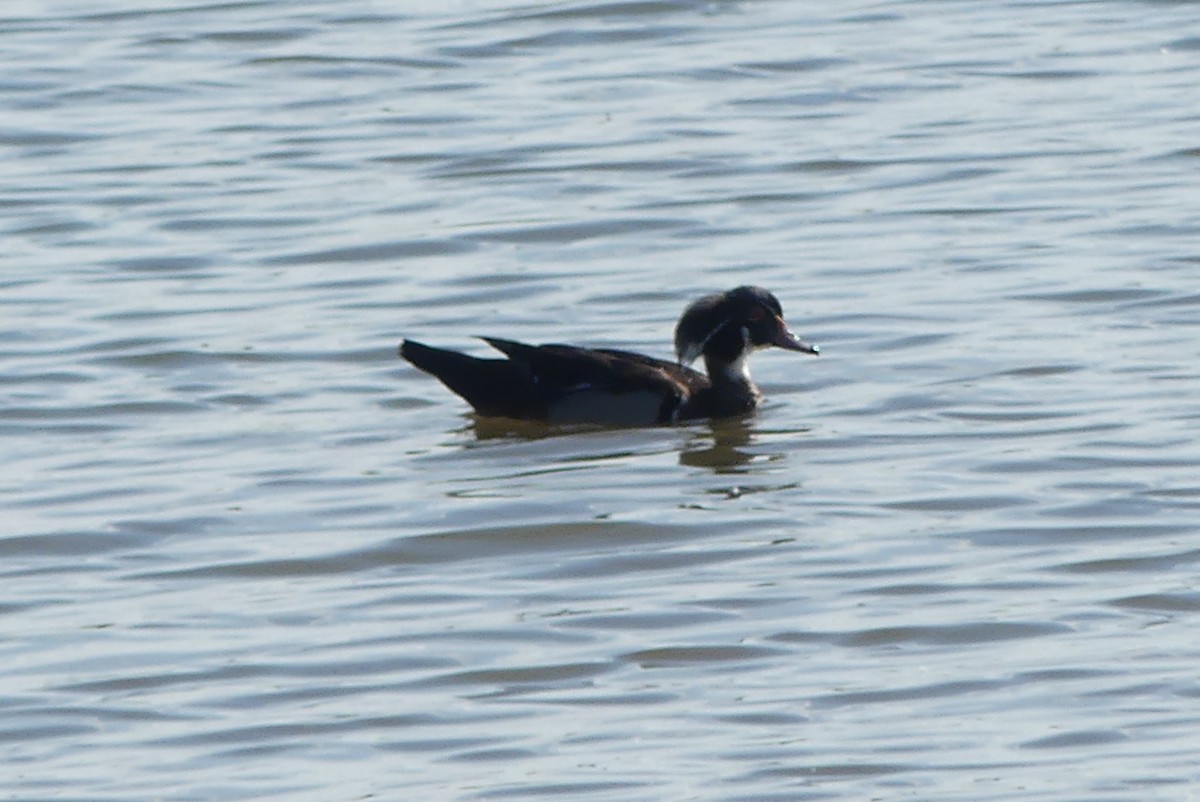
[{"x": 566, "y": 384}]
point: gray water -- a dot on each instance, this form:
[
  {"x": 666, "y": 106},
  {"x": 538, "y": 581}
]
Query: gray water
[{"x": 247, "y": 553}]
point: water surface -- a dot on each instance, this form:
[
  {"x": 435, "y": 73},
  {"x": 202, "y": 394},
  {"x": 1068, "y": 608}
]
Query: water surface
[{"x": 249, "y": 554}]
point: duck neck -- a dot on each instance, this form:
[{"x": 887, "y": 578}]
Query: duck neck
[
  {"x": 731, "y": 380},
  {"x": 725, "y": 353}
]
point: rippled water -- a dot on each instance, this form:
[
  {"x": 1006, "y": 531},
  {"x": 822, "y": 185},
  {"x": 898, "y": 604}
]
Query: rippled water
[{"x": 248, "y": 553}]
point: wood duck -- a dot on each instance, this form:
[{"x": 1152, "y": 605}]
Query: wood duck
[{"x": 567, "y": 384}]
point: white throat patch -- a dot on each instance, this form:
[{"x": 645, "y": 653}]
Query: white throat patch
[{"x": 737, "y": 371}]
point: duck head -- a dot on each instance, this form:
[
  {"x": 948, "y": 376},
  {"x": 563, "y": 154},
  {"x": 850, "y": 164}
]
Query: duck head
[{"x": 726, "y": 326}]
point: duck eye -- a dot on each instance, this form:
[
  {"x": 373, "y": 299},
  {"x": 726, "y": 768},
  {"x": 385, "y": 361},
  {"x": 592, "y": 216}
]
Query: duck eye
[{"x": 757, "y": 314}]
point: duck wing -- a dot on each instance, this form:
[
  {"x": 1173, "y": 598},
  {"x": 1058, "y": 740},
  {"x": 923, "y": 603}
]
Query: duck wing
[{"x": 601, "y": 385}]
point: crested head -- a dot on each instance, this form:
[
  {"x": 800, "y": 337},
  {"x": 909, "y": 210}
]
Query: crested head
[{"x": 725, "y": 326}]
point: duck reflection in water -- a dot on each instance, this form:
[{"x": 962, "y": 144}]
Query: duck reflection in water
[{"x": 724, "y": 446}]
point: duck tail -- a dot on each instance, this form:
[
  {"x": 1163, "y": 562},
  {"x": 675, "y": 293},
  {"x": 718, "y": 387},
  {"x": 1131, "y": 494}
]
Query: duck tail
[{"x": 491, "y": 386}]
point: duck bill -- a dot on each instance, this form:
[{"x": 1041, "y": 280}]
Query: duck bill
[{"x": 785, "y": 339}]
